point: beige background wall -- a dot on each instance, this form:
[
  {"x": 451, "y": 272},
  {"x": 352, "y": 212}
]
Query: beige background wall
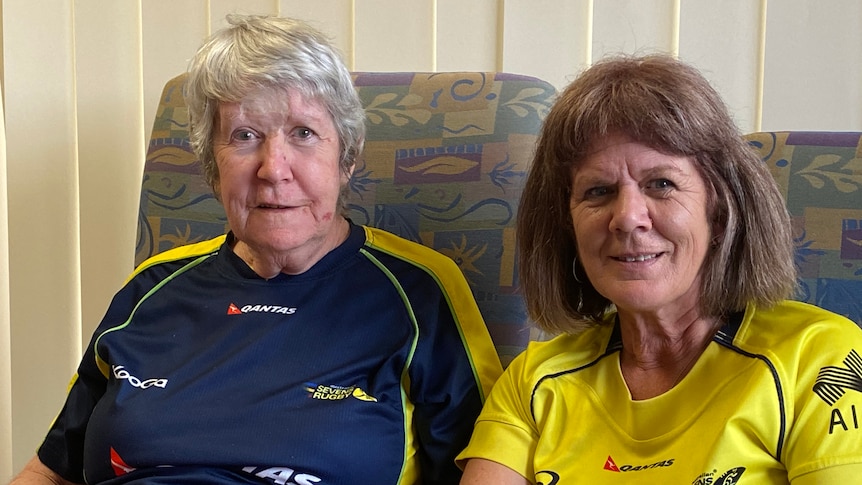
[{"x": 81, "y": 82}]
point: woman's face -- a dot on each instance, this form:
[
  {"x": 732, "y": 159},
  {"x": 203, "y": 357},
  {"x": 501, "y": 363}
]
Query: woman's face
[
  {"x": 640, "y": 220},
  {"x": 279, "y": 179}
]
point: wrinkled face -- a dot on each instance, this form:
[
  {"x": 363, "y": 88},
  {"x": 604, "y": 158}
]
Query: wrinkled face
[
  {"x": 279, "y": 179},
  {"x": 640, "y": 221}
]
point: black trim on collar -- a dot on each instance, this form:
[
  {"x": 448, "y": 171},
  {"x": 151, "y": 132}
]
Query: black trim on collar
[{"x": 727, "y": 333}]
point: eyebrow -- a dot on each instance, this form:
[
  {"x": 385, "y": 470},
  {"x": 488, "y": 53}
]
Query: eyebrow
[
  {"x": 592, "y": 176},
  {"x": 663, "y": 169}
]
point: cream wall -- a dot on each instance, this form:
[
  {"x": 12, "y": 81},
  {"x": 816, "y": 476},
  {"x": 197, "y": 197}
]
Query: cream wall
[{"x": 81, "y": 82}]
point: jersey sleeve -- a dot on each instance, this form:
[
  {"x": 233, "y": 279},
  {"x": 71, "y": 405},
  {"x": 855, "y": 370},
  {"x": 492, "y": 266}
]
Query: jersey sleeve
[
  {"x": 505, "y": 431},
  {"x": 824, "y": 439},
  {"x": 454, "y": 364},
  {"x": 63, "y": 447}
]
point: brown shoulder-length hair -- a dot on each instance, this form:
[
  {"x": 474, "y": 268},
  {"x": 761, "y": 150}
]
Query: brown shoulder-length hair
[{"x": 669, "y": 106}]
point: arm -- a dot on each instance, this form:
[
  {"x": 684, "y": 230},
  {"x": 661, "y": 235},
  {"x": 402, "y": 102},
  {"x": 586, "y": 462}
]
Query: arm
[
  {"x": 453, "y": 368},
  {"x": 480, "y": 471},
  {"x": 823, "y": 444},
  {"x": 36, "y": 473},
  {"x": 831, "y": 476},
  {"x": 449, "y": 377}
]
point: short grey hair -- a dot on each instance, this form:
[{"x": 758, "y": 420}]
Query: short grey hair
[{"x": 256, "y": 52}]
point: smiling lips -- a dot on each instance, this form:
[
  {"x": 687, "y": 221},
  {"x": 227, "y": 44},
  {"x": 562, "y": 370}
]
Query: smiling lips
[{"x": 638, "y": 258}]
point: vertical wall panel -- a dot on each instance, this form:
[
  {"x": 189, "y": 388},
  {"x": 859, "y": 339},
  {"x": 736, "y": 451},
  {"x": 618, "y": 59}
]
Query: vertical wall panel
[
  {"x": 171, "y": 32},
  {"x": 110, "y": 147},
  {"x": 43, "y": 213},
  {"x": 467, "y": 34},
  {"x": 220, "y": 8},
  {"x": 393, "y": 35},
  {"x": 813, "y": 66},
  {"x": 733, "y": 69},
  {"x": 547, "y": 39},
  {"x": 632, "y": 27},
  {"x": 5, "y": 331},
  {"x": 333, "y": 17}
]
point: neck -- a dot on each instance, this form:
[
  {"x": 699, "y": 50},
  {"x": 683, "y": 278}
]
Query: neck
[
  {"x": 269, "y": 264},
  {"x": 658, "y": 352}
]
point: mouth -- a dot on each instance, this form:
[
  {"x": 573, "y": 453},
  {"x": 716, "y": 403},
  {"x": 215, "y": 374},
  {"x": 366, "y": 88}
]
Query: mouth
[
  {"x": 272, "y": 206},
  {"x": 637, "y": 258}
]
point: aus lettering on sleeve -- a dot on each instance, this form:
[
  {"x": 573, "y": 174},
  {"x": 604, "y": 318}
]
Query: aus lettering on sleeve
[
  {"x": 281, "y": 475},
  {"x": 846, "y": 421}
]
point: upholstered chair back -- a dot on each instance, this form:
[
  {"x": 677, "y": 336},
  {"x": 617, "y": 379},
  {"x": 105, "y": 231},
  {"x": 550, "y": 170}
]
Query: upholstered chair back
[
  {"x": 820, "y": 175},
  {"x": 445, "y": 160}
]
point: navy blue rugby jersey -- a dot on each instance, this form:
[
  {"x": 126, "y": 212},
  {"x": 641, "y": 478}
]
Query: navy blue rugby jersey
[{"x": 371, "y": 367}]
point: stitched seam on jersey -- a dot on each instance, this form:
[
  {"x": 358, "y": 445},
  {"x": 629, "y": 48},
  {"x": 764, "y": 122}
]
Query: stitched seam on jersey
[
  {"x": 722, "y": 339},
  {"x": 405, "y": 375},
  {"x": 558, "y": 374},
  {"x": 100, "y": 363},
  {"x": 455, "y": 315}
]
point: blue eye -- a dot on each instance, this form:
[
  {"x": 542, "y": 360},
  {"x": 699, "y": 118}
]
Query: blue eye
[
  {"x": 243, "y": 135},
  {"x": 661, "y": 184},
  {"x": 597, "y": 192},
  {"x": 303, "y": 132}
]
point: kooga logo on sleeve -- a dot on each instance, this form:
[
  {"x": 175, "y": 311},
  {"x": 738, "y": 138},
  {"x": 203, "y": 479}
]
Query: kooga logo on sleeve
[{"x": 122, "y": 374}]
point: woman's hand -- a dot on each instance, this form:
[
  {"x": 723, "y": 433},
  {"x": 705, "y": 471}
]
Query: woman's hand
[{"x": 36, "y": 473}]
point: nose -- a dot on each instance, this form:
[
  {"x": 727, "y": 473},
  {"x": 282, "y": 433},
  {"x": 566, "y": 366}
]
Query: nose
[
  {"x": 276, "y": 157},
  {"x": 630, "y": 211}
]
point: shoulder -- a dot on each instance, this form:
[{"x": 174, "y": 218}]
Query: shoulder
[
  {"x": 564, "y": 353},
  {"x": 795, "y": 325},
  {"x": 387, "y": 249},
  {"x": 407, "y": 250},
  {"x": 181, "y": 254},
  {"x": 798, "y": 340}
]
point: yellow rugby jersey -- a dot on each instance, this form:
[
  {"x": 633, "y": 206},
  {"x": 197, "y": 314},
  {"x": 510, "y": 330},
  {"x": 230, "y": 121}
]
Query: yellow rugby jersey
[{"x": 775, "y": 398}]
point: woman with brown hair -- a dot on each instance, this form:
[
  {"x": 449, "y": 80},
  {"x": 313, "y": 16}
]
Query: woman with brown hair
[{"x": 657, "y": 243}]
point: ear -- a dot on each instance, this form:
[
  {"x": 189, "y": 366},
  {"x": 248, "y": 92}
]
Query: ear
[
  {"x": 216, "y": 188},
  {"x": 717, "y": 234},
  {"x": 353, "y": 155}
]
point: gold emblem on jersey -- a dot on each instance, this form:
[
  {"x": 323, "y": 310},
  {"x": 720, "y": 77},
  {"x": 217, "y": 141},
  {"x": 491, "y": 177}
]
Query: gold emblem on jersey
[{"x": 337, "y": 393}]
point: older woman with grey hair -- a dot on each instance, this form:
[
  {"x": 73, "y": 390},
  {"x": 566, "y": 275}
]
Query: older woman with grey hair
[
  {"x": 657, "y": 244},
  {"x": 298, "y": 348}
]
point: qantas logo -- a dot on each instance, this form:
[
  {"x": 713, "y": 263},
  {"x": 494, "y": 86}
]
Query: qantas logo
[
  {"x": 117, "y": 463},
  {"x": 233, "y": 309},
  {"x": 611, "y": 466}
]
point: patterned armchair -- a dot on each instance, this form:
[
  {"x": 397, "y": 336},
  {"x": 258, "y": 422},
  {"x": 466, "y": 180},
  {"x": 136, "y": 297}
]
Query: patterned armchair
[
  {"x": 444, "y": 164},
  {"x": 445, "y": 160},
  {"x": 820, "y": 174}
]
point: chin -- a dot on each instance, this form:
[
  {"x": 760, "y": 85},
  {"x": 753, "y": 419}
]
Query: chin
[{"x": 634, "y": 299}]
